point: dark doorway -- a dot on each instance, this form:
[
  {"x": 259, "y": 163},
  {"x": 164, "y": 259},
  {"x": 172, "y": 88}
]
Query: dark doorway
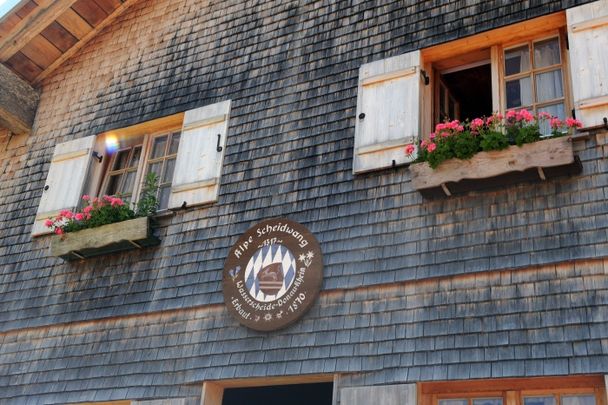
[
  {"x": 472, "y": 90},
  {"x": 296, "y": 394}
]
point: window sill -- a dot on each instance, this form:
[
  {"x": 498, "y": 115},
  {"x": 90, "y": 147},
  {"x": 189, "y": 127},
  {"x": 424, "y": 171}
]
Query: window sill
[
  {"x": 531, "y": 162},
  {"x": 107, "y": 239}
]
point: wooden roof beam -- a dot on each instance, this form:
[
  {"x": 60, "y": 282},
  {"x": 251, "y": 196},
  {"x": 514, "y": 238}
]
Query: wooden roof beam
[
  {"x": 70, "y": 52},
  {"x": 32, "y": 25},
  {"x": 18, "y": 102}
]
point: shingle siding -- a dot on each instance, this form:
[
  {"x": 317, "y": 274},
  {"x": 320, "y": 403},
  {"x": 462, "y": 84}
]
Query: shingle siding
[
  {"x": 413, "y": 289},
  {"x": 455, "y": 328}
]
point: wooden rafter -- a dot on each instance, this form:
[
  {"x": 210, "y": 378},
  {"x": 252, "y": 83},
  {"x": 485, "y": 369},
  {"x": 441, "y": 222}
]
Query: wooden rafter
[
  {"x": 83, "y": 41},
  {"x": 32, "y": 25}
]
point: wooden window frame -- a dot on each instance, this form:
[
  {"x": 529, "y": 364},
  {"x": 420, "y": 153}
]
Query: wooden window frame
[
  {"x": 146, "y": 132},
  {"x": 514, "y": 390},
  {"x": 149, "y": 160},
  {"x": 497, "y": 40}
]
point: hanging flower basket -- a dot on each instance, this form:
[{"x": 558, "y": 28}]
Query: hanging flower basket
[
  {"x": 533, "y": 161},
  {"x": 117, "y": 237}
]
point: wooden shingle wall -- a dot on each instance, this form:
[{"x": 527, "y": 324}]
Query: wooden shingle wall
[
  {"x": 550, "y": 320},
  {"x": 290, "y": 69}
]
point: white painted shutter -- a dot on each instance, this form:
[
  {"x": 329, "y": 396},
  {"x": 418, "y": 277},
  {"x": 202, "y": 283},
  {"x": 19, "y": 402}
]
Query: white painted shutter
[
  {"x": 388, "y": 112},
  {"x": 65, "y": 180},
  {"x": 588, "y": 43},
  {"x": 199, "y": 163}
]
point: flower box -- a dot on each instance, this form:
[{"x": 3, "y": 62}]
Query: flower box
[
  {"x": 530, "y": 162},
  {"x": 117, "y": 237}
]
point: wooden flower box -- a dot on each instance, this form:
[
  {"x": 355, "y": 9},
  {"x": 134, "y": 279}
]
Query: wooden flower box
[
  {"x": 531, "y": 162},
  {"x": 117, "y": 237}
]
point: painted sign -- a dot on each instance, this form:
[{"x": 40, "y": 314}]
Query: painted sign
[{"x": 272, "y": 275}]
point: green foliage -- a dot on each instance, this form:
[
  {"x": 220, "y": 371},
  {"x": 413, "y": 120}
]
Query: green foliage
[
  {"x": 527, "y": 134},
  {"x": 465, "y": 145},
  {"x": 148, "y": 203},
  {"x": 493, "y": 140}
]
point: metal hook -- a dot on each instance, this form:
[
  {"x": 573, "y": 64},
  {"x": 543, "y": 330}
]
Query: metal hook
[{"x": 219, "y": 148}]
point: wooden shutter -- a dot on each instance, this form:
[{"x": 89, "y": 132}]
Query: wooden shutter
[
  {"x": 388, "y": 112},
  {"x": 199, "y": 162},
  {"x": 65, "y": 180},
  {"x": 588, "y": 44}
]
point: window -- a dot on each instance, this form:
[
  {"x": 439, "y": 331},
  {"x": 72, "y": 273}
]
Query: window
[
  {"x": 124, "y": 172},
  {"x": 185, "y": 151},
  {"x": 572, "y": 390}
]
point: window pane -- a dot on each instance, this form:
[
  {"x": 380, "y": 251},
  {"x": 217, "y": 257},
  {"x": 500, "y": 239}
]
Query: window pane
[
  {"x": 517, "y": 60},
  {"x": 487, "y": 401},
  {"x": 158, "y": 147},
  {"x": 453, "y": 402},
  {"x": 135, "y": 157},
  {"x": 113, "y": 183},
  {"x": 163, "y": 199},
  {"x": 546, "y": 53},
  {"x": 127, "y": 187},
  {"x": 174, "y": 143},
  {"x": 555, "y": 110},
  {"x": 169, "y": 166},
  {"x": 519, "y": 93},
  {"x": 121, "y": 159},
  {"x": 539, "y": 400},
  {"x": 155, "y": 168},
  {"x": 549, "y": 86},
  {"x": 578, "y": 400}
]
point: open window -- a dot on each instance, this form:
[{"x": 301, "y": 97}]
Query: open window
[{"x": 184, "y": 150}]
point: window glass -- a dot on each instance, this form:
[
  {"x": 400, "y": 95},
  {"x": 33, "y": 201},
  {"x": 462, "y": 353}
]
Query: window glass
[
  {"x": 122, "y": 157},
  {"x": 578, "y": 400},
  {"x": 539, "y": 400},
  {"x": 158, "y": 148},
  {"x": 162, "y": 162},
  {"x": 453, "y": 402},
  {"x": 546, "y": 53},
  {"x": 519, "y": 93},
  {"x": 487, "y": 401},
  {"x": 517, "y": 60},
  {"x": 555, "y": 110},
  {"x": 549, "y": 86}
]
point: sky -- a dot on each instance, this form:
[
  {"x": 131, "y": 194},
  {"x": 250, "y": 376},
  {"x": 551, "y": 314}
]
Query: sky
[{"x": 6, "y": 5}]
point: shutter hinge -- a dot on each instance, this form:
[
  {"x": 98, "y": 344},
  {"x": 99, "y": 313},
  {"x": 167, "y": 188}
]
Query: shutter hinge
[
  {"x": 567, "y": 43},
  {"x": 573, "y": 113},
  {"x": 426, "y": 78}
]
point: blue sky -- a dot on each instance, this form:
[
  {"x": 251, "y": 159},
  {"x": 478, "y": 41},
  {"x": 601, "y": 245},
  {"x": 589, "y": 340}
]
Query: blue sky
[{"x": 6, "y": 5}]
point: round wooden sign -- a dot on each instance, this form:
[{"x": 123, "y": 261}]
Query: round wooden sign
[{"x": 272, "y": 275}]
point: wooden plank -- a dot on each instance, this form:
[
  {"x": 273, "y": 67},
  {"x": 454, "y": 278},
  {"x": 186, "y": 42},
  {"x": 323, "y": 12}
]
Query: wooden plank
[
  {"x": 24, "y": 67},
  {"x": 31, "y": 26},
  {"x": 546, "y": 153},
  {"x": 97, "y": 241},
  {"x": 590, "y": 24},
  {"x": 59, "y": 36},
  {"x": 9, "y": 15},
  {"x": 108, "y": 5},
  {"x": 504, "y": 35},
  {"x": 74, "y": 23},
  {"x": 8, "y": 24},
  {"x": 26, "y": 9},
  {"x": 90, "y": 11},
  {"x": 41, "y": 51},
  {"x": 84, "y": 40},
  {"x": 505, "y": 384}
]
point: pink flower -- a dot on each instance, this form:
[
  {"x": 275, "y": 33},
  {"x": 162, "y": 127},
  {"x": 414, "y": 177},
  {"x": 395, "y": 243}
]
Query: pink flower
[
  {"x": 107, "y": 198},
  {"x": 86, "y": 197},
  {"x": 432, "y": 136},
  {"x": 544, "y": 115},
  {"x": 476, "y": 124},
  {"x": 59, "y": 231},
  {"x": 573, "y": 123},
  {"x": 409, "y": 149},
  {"x": 423, "y": 144},
  {"x": 459, "y": 128},
  {"x": 555, "y": 123},
  {"x": 116, "y": 202},
  {"x": 48, "y": 223},
  {"x": 79, "y": 216},
  {"x": 511, "y": 114},
  {"x": 66, "y": 214},
  {"x": 87, "y": 210},
  {"x": 431, "y": 147}
]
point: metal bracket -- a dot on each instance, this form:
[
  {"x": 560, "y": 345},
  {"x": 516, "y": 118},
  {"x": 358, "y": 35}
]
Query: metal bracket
[
  {"x": 426, "y": 78},
  {"x": 219, "y": 148}
]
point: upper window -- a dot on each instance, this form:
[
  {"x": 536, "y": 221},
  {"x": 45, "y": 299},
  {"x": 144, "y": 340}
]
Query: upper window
[{"x": 185, "y": 151}]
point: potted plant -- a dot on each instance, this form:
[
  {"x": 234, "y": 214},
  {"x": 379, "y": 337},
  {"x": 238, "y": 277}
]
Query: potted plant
[
  {"x": 483, "y": 152},
  {"x": 105, "y": 225}
]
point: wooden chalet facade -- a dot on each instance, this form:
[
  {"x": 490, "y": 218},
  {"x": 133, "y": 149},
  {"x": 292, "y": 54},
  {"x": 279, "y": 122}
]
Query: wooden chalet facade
[{"x": 447, "y": 293}]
